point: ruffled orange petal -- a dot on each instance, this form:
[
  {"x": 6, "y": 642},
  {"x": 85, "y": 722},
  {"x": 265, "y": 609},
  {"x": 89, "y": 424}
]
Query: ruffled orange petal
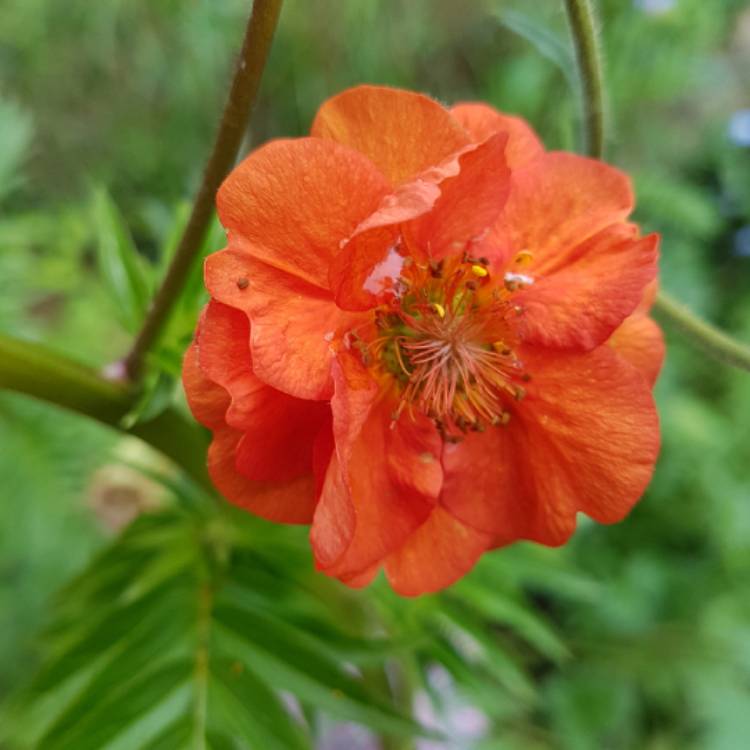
[
  {"x": 261, "y": 454},
  {"x": 469, "y": 202},
  {"x": 441, "y": 212},
  {"x": 585, "y": 438},
  {"x": 401, "y": 132},
  {"x": 581, "y": 302},
  {"x": 292, "y": 202},
  {"x": 285, "y": 502},
  {"x": 556, "y": 203},
  {"x": 437, "y": 554},
  {"x": 482, "y": 121},
  {"x": 486, "y": 487},
  {"x": 641, "y": 342},
  {"x": 371, "y": 261},
  {"x": 374, "y": 495},
  {"x": 207, "y": 401},
  {"x": 291, "y": 501},
  {"x": 293, "y": 322}
]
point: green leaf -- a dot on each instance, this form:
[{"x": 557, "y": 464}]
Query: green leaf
[
  {"x": 92, "y": 729},
  {"x": 91, "y": 639},
  {"x": 293, "y": 661},
  {"x": 157, "y": 394},
  {"x": 500, "y": 608},
  {"x": 119, "y": 263},
  {"x": 546, "y": 42},
  {"x": 175, "y": 736},
  {"x": 488, "y": 654},
  {"x": 169, "y": 634},
  {"x": 16, "y": 131},
  {"x": 251, "y": 710},
  {"x": 151, "y": 640}
]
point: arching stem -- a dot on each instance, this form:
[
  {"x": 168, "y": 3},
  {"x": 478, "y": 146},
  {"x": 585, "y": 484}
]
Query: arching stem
[
  {"x": 245, "y": 84},
  {"x": 705, "y": 336}
]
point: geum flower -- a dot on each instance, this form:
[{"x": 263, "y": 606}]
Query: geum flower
[{"x": 428, "y": 337}]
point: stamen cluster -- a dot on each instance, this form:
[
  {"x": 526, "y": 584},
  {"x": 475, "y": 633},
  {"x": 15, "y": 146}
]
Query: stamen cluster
[{"x": 446, "y": 338}]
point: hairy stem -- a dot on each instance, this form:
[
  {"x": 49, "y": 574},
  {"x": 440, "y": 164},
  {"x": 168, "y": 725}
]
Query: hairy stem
[
  {"x": 714, "y": 342},
  {"x": 245, "y": 84},
  {"x": 32, "y": 369},
  {"x": 583, "y": 30}
]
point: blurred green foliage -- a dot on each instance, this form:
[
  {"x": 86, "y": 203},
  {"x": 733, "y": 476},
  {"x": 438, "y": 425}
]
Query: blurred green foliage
[{"x": 633, "y": 636}]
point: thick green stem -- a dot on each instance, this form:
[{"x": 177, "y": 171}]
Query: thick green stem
[
  {"x": 714, "y": 342},
  {"x": 32, "y": 369},
  {"x": 245, "y": 84},
  {"x": 583, "y": 30}
]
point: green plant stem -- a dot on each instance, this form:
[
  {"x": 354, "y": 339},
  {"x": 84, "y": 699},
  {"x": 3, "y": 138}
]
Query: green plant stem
[
  {"x": 245, "y": 84},
  {"x": 32, "y": 369},
  {"x": 583, "y": 30},
  {"x": 713, "y": 341}
]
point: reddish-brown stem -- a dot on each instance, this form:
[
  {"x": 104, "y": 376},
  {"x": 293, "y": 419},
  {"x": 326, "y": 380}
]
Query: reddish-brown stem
[{"x": 245, "y": 84}]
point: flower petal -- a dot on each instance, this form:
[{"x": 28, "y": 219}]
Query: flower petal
[
  {"x": 293, "y": 322},
  {"x": 585, "y": 438},
  {"x": 207, "y": 401},
  {"x": 370, "y": 262},
  {"x": 293, "y": 201},
  {"x": 286, "y": 502},
  {"x": 485, "y": 486},
  {"x": 439, "y": 213},
  {"x": 641, "y": 342},
  {"x": 556, "y": 203},
  {"x": 401, "y": 132},
  {"x": 291, "y": 501},
  {"x": 469, "y": 202},
  {"x": 278, "y": 429},
  {"x": 376, "y": 490},
  {"x": 438, "y": 553},
  {"x": 482, "y": 121},
  {"x": 580, "y": 303}
]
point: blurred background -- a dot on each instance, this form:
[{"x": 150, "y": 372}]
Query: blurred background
[{"x": 632, "y": 636}]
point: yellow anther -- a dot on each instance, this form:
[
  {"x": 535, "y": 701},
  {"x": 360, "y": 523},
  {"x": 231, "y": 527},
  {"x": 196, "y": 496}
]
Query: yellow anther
[
  {"x": 479, "y": 271},
  {"x": 438, "y": 308},
  {"x": 501, "y": 348},
  {"x": 523, "y": 258}
]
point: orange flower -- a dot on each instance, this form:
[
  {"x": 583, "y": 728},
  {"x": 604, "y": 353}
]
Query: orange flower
[{"x": 428, "y": 337}]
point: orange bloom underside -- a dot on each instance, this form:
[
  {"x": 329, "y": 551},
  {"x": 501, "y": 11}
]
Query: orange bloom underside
[{"x": 428, "y": 337}]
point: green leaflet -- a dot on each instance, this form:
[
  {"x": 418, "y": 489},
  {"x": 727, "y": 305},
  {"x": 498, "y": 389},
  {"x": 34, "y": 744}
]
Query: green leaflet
[{"x": 120, "y": 265}]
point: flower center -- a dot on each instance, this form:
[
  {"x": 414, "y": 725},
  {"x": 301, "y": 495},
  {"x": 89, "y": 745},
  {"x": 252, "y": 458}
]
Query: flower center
[{"x": 446, "y": 337}]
